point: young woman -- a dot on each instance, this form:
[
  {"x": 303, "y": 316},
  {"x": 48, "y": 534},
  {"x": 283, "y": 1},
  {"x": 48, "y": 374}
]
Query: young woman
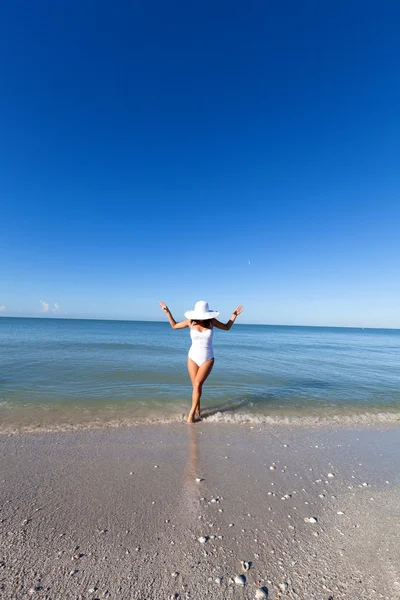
[{"x": 201, "y": 322}]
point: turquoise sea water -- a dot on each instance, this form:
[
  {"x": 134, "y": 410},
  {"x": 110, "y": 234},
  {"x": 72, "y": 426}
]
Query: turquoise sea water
[{"x": 61, "y": 373}]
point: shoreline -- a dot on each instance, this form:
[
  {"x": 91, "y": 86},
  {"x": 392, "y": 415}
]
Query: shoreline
[
  {"x": 118, "y": 513},
  {"x": 24, "y": 420}
]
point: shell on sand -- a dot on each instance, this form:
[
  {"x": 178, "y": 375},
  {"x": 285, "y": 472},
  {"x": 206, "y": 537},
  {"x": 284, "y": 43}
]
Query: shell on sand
[
  {"x": 261, "y": 593},
  {"x": 245, "y": 565},
  {"x": 203, "y": 539},
  {"x": 239, "y": 579},
  {"x": 310, "y": 519},
  {"x": 283, "y": 586}
]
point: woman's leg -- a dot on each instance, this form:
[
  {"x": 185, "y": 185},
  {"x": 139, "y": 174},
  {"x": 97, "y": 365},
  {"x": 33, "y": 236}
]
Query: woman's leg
[
  {"x": 193, "y": 369},
  {"x": 198, "y": 375}
]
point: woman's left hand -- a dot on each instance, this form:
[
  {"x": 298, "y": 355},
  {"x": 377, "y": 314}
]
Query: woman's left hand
[
  {"x": 163, "y": 306},
  {"x": 238, "y": 310}
]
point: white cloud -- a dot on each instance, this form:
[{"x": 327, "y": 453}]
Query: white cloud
[
  {"x": 45, "y": 306},
  {"x": 56, "y": 307},
  {"x": 2, "y": 308}
]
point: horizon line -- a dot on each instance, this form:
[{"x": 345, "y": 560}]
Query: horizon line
[{"x": 51, "y": 318}]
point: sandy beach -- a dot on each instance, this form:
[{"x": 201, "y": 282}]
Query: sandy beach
[{"x": 175, "y": 511}]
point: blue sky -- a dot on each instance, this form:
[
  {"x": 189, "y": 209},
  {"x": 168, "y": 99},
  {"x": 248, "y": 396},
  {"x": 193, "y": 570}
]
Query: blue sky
[{"x": 227, "y": 151}]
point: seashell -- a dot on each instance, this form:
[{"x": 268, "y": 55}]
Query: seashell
[
  {"x": 261, "y": 593},
  {"x": 218, "y": 580},
  {"x": 77, "y": 556},
  {"x": 272, "y": 468},
  {"x": 175, "y": 574},
  {"x": 283, "y": 586},
  {"x": 239, "y": 579},
  {"x": 331, "y": 475},
  {"x": 310, "y": 519},
  {"x": 203, "y": 539},
  {"x": 340, "y": 512},
  {"x": 245, "y": 565},
  {"x": 198, "y": 479}
]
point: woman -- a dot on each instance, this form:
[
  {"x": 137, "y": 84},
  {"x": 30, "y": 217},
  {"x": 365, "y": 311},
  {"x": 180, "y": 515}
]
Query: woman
[{"x": 201, "y": 322}]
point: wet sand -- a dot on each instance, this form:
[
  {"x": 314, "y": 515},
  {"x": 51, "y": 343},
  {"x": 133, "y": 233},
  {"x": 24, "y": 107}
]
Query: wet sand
[{"x": 119, "y": 513}]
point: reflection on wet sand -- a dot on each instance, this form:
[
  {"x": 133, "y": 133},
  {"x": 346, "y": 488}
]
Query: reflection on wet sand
[{"x": 192, "y": 489}]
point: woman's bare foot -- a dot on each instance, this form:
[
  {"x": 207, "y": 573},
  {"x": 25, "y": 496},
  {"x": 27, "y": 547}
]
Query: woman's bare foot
[{"x": 194, "y": 417}]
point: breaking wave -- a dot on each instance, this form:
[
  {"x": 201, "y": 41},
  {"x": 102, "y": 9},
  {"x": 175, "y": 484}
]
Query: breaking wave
[{"x": 347, "y": 419}]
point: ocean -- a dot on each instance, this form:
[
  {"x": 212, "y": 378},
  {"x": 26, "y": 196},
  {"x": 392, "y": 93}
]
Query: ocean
[{"x": 70, "y": 374}]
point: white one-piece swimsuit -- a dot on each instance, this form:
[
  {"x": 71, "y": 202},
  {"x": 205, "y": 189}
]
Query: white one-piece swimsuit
[{"x": 201, "y": 349}]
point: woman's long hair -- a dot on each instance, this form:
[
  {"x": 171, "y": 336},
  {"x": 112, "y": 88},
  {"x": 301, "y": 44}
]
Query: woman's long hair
[{"x": 203, "y": 323}]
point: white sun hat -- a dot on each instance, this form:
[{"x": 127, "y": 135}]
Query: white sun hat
[{"x": 201, "y": 312}]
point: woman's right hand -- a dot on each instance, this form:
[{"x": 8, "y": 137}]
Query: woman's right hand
[{"x": 164, "y": 307}]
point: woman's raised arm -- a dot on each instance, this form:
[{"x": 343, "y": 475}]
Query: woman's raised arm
[
  {"x": 173, "y": 323},
  {"x": 228, "y": 325}
]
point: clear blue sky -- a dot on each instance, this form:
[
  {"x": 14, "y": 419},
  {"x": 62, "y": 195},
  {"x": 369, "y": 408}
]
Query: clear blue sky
[{"x": 151, "y": 150}]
